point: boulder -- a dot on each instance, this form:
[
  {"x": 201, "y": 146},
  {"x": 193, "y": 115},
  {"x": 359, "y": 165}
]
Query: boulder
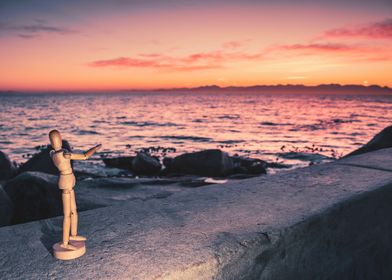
[
  {"x": 35, "y": 196},
  {"x": 119, "y": 162},
  {"x": 6, "y": 208},
  {"x": 382, "y": 140},
  {"x": 145, "y": 164},
  {"x": 42, "y": 162},
  {"x": 205, "y": 163},
  {"x": 7, "y": 167},
  {"x": 249, "y": 165},
  {"x": 167, "y": 162},
  {"x": 278, "y": 165}
]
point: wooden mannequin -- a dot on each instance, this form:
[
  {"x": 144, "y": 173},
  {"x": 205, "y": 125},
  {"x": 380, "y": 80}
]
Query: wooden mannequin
[{"x": 73, "y": 245}]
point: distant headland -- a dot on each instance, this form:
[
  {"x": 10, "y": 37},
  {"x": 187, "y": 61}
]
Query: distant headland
[
  {"x": 290, "y": 89},
  {"x": 262, "y": 89}
]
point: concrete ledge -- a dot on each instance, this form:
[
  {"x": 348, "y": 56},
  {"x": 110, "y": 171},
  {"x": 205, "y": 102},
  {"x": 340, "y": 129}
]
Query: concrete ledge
[{"x": 330, "y": 221}]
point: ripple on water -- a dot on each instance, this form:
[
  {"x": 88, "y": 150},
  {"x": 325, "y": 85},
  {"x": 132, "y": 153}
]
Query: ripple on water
[
  {"x": 183, "y": 137},
  {"x": 274, "y": 124},
  {"x": 142, "y": 124},
  {"x": 324, "y": 124},
  {"x": 86, "y": 132},
  {"x": 229, "y": 117}
]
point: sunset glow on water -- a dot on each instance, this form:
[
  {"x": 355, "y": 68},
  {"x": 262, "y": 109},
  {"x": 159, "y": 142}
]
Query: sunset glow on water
[{"x": 255, "y": 125}]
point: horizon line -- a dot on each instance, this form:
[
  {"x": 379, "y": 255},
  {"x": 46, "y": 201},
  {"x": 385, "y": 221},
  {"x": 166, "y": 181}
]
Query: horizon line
[{"x": 201, "y": 87}]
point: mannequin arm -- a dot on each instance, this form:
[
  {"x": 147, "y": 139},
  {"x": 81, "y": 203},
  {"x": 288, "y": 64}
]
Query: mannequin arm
[
  {"x": 85, "y": 155},
  {"x": 92, "y": 151}
]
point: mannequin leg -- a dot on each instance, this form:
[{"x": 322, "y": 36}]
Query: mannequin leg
[
  {"x": 74, "y": 220},
  {"x": 66, "y": 196},
  {"x": 74, "y": 215}
]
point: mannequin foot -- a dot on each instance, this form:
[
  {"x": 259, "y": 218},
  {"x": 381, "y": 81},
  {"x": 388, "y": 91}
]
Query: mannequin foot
[
  {"x": 77, "y": 238},
  {"x": 68, "y": 247},
  {"x": 70, "y": 251}
]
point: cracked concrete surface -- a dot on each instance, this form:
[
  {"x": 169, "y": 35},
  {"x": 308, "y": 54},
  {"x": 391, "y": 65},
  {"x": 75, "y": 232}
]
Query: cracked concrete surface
[{"x": 330, "y": 221}]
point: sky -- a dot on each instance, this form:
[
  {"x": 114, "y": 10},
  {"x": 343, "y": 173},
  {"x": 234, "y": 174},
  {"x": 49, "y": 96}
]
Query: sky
[{"x": 114, "y": 45}]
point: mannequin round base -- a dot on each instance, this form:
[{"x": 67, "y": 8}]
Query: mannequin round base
[{"x": 66, "y": 254}]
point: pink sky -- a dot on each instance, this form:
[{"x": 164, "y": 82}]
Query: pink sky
[{"x": 79, "y": 48}]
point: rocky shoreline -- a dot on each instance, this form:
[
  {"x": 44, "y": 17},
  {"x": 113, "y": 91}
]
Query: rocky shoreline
[{"x": 29, "y": 192}]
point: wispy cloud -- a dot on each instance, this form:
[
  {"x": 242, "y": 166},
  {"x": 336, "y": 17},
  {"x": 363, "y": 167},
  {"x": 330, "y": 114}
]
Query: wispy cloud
[
  {"x": 235, "y": 44},
  {"x": 345, "y": 52},
  {"x": 35, "y": 29},
  {"x": 235, "y": 51},
  {"x": 375, "y": 30},
  {"x": 192, "y": 62},
  {"x": 154, "y": 62},
  {"x": 317, "y": 47}
]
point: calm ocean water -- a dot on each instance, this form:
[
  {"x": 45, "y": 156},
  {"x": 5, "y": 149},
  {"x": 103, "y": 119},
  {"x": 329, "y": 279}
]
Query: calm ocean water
[{"x": 258, "y": 125}]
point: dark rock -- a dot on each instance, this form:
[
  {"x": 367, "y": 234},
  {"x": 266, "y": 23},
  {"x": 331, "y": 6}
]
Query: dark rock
[
  {"x": 204, "y": 163},
  {"x": 303, "y": 156},
  {"x": 167, "y": 162},
  {"x": 7, "y": 167},
  {"x": 382, "y": 140},
  {"x": 195, "y": 184},
  {"x": 42, "y": 162},
  {"x": 81, "y": 175},
  {"x": 255, "y": 166},
  {"x": 249, "y": 165},
  {"x": 145, "y": 164},
  {"x": 35, "y": 196},
  {"x": 6, "y": 208},
  {"x": 278, "y": 165},
  {"x": 119, "y": 162},
  {"x": 241, "y": 176}
]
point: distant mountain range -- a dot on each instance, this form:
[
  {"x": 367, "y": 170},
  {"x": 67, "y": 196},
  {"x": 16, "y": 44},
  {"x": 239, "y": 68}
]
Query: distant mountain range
[
  {"x": 281, "y": 89},
  {"x": 296, "y": 89}
]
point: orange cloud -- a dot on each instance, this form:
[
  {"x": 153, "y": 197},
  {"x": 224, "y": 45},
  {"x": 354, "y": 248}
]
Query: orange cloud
[
  {"x": 232, "y": 52},
  {"x": 235, "y": 44},
  {"x": 325, "y": 47},
  {"x": 353, "y": 53},
  {"x": 157, "y": 61},
  {"x": 196, "y": 61}
]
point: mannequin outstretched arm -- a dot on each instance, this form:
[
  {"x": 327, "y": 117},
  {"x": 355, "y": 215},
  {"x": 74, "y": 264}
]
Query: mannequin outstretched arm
[{"x": 84, "y": 156}]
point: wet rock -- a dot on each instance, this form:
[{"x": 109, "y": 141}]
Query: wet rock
[
  {"x": 7, "y": 167},
  {"x": 249, "y": 165},
  {"x": 204, "y": 163},
  {"x": 6, "y": 208},
  {"x": 240, "y": 176},
  {"x": 382, "y": 140},
  {"x": 35, "y": 196},
  {"x": 42, "y": 162},
  {"x": 303, "y": 156},
  {"x": 166, "y": 171},
  {"x": 119, "y": 162},
  {"x": 144, "y": 164},
  {"x": 167, "y": 162},
  {"x": 278, "y": 165}
]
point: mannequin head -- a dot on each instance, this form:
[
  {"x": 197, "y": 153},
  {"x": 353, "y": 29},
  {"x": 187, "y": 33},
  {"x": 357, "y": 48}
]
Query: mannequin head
[{"x": 55, "y": 139}]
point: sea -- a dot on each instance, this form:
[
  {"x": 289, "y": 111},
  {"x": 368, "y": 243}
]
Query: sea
[{"x": 291, "y": 129}]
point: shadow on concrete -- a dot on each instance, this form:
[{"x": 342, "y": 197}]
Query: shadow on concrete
[{"x": 51, "y": 233}]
